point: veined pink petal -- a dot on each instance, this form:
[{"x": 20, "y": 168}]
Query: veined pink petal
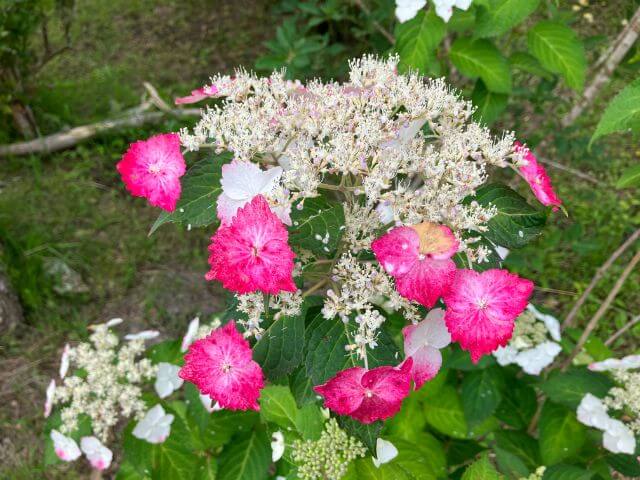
[
  {"x": 152, "y": 169},
  {"x": 427, "y": 281},
  {"x": 252, "y": 253},
  {"x": 344, "y": 393},
  {"x": 426, "y": 365},
  {"x": 398, "y": 250},
  {"x": 222, "y": 367},
  {"x": 538, "y": 179},
  {"x": 482, "y": 308},
  {"x": 198, "y": 94}
]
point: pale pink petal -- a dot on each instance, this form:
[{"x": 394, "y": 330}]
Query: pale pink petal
[
  {"x": 222, "y": 367},
  {"x": 482, "y": 308},
  {"x": 66, "y": 448},
  {"x": 198, "y": 95},
  {"x": 252, "y": 253},
  {"x": 48, "y": 404},
  {"x": 227, "y": 208},
  {"x": 426, "y": 364},
  {"x": 431, "y": 331},
  {"x": 98, "y": 455},
  {"x": 152, "y": 169}
]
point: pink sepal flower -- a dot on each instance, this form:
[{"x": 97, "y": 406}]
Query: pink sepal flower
[
  {"x": 198, "y": 94},
  {"x": 419, "y": 258},
  {"x": 422, "y": 343},
  {"x": 538, "y": 179},
  {"x": 252, "y": 253},
  {"x": 221, "y": 366},
  {"x": 152, "y": 169},
  {"x": 369, "y": 395},
  {"x": 482, "y": 308}
]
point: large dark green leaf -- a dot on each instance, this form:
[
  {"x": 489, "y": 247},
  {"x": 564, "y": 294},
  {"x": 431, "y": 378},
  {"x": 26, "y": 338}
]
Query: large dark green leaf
[
  {"x": 367, "y": 433},
  {"x": 417, "y": 40},
  {"x": 444, "y": 413},
  {"x": 530, "y": 64},
  {"x": 246, "y": 458},
  {"x": 622, "y": 114},
  {"x": 566, "y": 472},
  {"x": 480, "y": 58},
  {"x": 481, "y": 395},
  {"x": 559, "y": 50},
  {"x": 500, "y": 16},
  {"x": 520, "y": 444},
  {"x": 625, "y": 464},
  {"x": 317, "y": 226},
  {"x": 278, "y": 406},
  {"x": 481, "y": 469},
  {"x": 568, "y": 388},
  {"x": 511, "y": 465},
  {"x": 281, "y": 348},
  {"x": 489, "y": 105},
  {"x": 518, "y": 407},
  {"x": 200, "y": 190},
  {"x": 516, "y": 222},
  {"x": 561, "y": 435}
]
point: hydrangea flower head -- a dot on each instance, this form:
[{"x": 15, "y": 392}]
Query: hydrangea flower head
[
  {"x": 367, "y": 395},
  {"x": 482, "y": 308},
  {"x": 538, "y": 179},
  {"x": 252, "y": 252},
  {"x": 221, "y": 366},
  {"x": 152, "y": 169},
  {"x": 419, "y": 258},
  {"x": 241, "y": 182},
  {"x": 422, "y": 343}
]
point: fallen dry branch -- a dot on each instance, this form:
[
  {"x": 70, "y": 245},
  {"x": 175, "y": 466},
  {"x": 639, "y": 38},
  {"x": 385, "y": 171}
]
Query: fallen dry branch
[
  {"x": 135, "y": 117},
  {"x": 606, "y": 65}
]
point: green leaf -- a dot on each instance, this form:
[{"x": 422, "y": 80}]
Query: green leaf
[
  {"x": 302, "y": 386},
  {"x": 561, "y": 435},
  {"x": 200, "y": 190},
  {"x": 481, "y": 469},
  {"x": 480, "y": 58},
  {"x": 621, "y": 115},
  {"x": 630, "y": 177},
  {"x": 417, "y": 40},
  {"x": 367, "y": 433},
  {"x": 511, "y": 465},
  {"x": 364, "y": 469},
  {"x": 530, "y": 64},
  {"x": 462, "y": 451},
  {"x": 277, "y": 405},
  {"x": 422, "y": 456},
  {"x": 481, "y": 395},
  {"x": 168, "y": 351},
  {"x": 281, "y": 348},
  {"x": 246, "y": 458},
  {"x": 517, "y": 408},
  {"x": 519, "y": 444},
  {"x": 310, "y": 422},
  {"x": 410, "y": 421},
  {"x": 489, "y": 105},
  {"x": 445, "y": 414},
  {"x": 625, "y": 464},
  {"x": 500, "y": 16},
  {"x": 224, "y": 424},
  {"x": 317, "y": 226},
  {"x": 516, "y": 222},
  {"x": 566, "y": 472},
  {"x": 568, "y": 388},
  {"x": 559, "y": 50},
  {"x": 207, "y": 469}
]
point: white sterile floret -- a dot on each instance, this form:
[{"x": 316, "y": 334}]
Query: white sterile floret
[
  {"x": 407, "y": 9},
  {"x": 167, "y": 379},
  {"x": 155, "y": 426},
  {"x": 444, "y": 8},
  {"x": 535, "y": 359},
  {"x": 626, "y": 363},
  {"x": 618, "y": 438},
  {"x": 144, "y": 335},
  {"x": 592, "y": 412},
  {"x": 277, "y": 446},
  {"x": 98, "y": 455},
  {"x": 66, "y": 448},
  {"x": 64, "y": 361},
  {"x": 50, "y": 396},
  {"x": 190, "y": 336},
  {"x": 385, "y": 452}
]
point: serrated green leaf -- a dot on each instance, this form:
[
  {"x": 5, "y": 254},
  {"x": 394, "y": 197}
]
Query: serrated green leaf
[
  {"x": 517, "y": 408},
  {"x": 520, "y": 444},
  {"x": 621, "y": 115},
  {"x": 246, "y": 458},
  {"x": 561, "y": 435},
  {"x": 629, "y": 178},
  {"x": 509, "y": 464},
  {"x": 516, "y": 222},
  {"x": 317, "y": 226},
  {"x": 200, "y": 190},
  {"x": 277, "y": 405},
  {"x": 302, "y": 386},
  {"x": 224, "y": 424},
  {"x": 410, "y": 421},
  {"x": 310, "y": 422},
  {"x": 458, "y": 359},
  {"x": 445, "y": 414},
  {"x": 367, "y": 433},
  {"x": 481, "y": 469},
  {"x": 502, "y": 15},
  {"x": 480, "y": 58},
  {"x": 364, "y": 469},
  {"x": 417, "y": 40},
  {"x": 625, "y": 464},
  {"x": 423, "y": 457},
  {"x": 481, "y": 395},
  {"x": 530, "y": 64},
  {"x": 462, "y": 451},
  {"x": 489, "y": 105},
  {"x": 566, "y": 472},
  {"x": 559, "y": 50},
  {"x": 281, "y": 348},
  {"x": 568, "y": 388}
]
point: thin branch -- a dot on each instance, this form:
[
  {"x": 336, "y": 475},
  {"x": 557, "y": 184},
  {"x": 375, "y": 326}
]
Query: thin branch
[
  {"x": 386, "y": 33},
  {"x": 603, "y": 308},
  {"x": 316, "y": 287},
  {"x": 634, "y": 321},
  {"x": 568, "y": 322},
  {"x": 577, "y": 173},
  {"x": 621, "y": 46}
]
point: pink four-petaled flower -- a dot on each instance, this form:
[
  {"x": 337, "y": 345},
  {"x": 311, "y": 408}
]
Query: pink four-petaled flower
[{"x": 221, "y": 366}]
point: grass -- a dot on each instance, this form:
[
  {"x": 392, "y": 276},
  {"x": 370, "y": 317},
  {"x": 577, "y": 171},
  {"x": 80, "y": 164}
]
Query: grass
[{"x": 71, "y": 207}]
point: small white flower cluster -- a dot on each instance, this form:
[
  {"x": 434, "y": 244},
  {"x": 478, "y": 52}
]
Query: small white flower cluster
[
  {"x": 393, "y": 149},
  {"x": 626, "y": 396},
  {"x": 108, "y": 385},
  {"x": 533, "y": 345},
  {"x": 537, "y": 475},
  {"x": 253, "y": 305}
]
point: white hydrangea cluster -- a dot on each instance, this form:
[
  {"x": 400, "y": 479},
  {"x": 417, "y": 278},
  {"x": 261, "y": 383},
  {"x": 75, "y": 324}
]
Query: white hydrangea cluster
[
  {"x": 253, "y": 305},
  {"x": 393, "y": 149},
  {"x": 108, "y": 384},
  {"x": 534, "y": 344},
  {"x": 626, "y": 397}
]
